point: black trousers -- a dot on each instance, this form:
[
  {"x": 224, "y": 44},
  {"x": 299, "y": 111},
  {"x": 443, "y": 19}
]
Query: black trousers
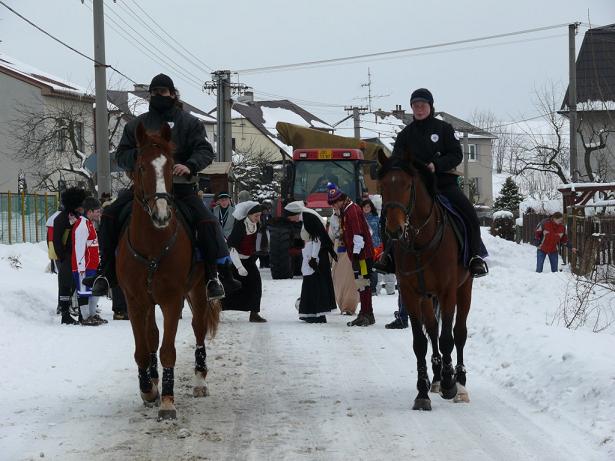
[
  {"x": 66, "y": 284},
  {"x": 209, "y": 232},
  {"x": 463, "y": 206}
]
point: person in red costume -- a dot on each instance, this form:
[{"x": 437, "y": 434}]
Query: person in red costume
[{"x": 358, "y": 241}]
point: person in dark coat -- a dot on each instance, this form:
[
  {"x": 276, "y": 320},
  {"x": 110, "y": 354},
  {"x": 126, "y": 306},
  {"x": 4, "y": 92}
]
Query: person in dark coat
[
  {"x": 433, "y": 143},
  {"x": 317, "y": 292},
  {"x": 72, "y": 208},
  {"x": 242, "y": 245},
  {"x": 192, "y": 153}
]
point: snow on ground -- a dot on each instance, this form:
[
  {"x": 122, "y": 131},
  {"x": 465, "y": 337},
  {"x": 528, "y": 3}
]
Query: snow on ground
[{"x": 288, "y": 390}]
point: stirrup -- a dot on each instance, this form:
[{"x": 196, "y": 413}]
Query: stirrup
[
  {"x": 220, "y": 294},
  {"x": 484, "y": 269}
]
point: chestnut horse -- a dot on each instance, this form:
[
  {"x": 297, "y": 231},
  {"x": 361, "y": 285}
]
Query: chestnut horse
[
  {"x": 155, "y": 266},
  {"x": 430, "y": 275}
]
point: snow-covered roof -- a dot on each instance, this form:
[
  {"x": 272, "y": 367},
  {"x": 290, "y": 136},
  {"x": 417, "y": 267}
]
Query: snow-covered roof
[{"x": 40, "y": 78}]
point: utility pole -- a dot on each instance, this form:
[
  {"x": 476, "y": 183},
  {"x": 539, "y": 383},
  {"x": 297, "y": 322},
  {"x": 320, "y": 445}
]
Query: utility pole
[
  {"x": 466, "y": 169},
  {"x": 103, "y": 165},
  {"x": 370, "y": 97},
  {"x": 356, "y": 115},
  {"x": 572, "y": 99},
  {"x": 222, "y": 86}
]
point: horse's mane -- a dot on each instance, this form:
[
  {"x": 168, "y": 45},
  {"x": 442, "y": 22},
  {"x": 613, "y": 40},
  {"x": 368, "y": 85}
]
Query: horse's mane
[
  {"x": 156, "y": 138},
  {"x": 411, "y": 167}
]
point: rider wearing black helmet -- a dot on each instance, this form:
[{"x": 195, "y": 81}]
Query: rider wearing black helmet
[
  {"x": 432, "y": 142},
  {"x": 192, "y": 153}
]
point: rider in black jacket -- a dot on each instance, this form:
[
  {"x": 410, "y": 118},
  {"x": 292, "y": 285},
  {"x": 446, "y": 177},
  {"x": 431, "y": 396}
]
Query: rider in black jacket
[
  {"x": 433, "y": 142},
  {"x": 192, "y": 153}
]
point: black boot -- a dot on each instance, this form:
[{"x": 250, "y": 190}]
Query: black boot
[
  {"x": 226, "y": 277},
  {"x": 215, "y": 290},
  {"x": 67, "y": 319},
  {"x": 478, "y": 267},
  {"x": 397, "y": 324}
]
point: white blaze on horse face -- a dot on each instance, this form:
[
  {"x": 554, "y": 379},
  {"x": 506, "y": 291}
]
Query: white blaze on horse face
[{"x": 162, "y": 209}]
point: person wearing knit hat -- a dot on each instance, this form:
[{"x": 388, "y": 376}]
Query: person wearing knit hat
[
  {"x": 358, "y": 241},
  {"x": 72, "y": 207},
  {"x": 317, "y": 293},
  {"x": 433, "y": 144},
  {"x": 224, "y": 212},
  {"x": 192, "y": 153},
  {"x": 242, "y": 244}
]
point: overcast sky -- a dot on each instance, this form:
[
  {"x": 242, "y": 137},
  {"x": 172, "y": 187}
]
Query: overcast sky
[{"x": 246, "y": 34}]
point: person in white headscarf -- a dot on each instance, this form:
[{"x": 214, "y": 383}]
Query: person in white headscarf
[
  {"x": 242, "y": 248},
  {"x": 317, "y": 293}
]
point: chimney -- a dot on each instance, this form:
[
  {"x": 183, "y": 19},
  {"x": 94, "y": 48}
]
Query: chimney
[
  {"x": 398, "y": 112},
  {"x": 141, "y": 87},
  {"x": 247, "y": 97}
]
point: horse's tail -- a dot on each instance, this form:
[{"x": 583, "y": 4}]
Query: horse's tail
[{"x": 212, "y": 317}]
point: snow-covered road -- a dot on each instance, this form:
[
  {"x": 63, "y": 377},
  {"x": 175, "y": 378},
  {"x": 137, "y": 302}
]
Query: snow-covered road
[{"x": 289, "y": 390}]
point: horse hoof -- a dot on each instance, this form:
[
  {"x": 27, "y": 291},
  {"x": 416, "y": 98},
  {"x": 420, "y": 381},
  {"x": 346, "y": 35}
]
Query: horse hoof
[
  {"x": 164, "y": 415},
  {"x": 435, "y": 387},
  {"x": 201, "y": 391},
  {"x": 462, "y": 395},
  {"x": 151, "y": 398},
  {"x": 422, "y": 404},
  {"x": 448, "y": 393}
]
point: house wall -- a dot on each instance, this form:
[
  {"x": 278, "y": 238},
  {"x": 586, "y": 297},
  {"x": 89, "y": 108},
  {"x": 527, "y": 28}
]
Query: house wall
[
  {"x": 248, "y": 138},
  {"x": 591, "y": 122},
  {"x": 13, "y": 94},
  {"x": 481, "y": 168}
]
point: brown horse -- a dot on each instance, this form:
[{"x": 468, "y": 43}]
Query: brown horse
[
  {"x": 430, "y": 274},
  {"x": 155, "y": 266}
]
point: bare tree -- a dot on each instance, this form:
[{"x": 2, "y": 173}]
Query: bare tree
[
  {"x": 594, "y": 134},
  {"x": 547, "y": 152},
  {"x": 52, "y": 141}
]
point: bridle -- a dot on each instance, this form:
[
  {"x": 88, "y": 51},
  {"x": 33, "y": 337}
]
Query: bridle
[
  {"x": 409, "y": 234},
  {"x": 144, "y": 200},
  {"x": 152, "y": 263}
]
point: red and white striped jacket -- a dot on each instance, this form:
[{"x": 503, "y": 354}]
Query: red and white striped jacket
[{"x": 85, "y": 246}]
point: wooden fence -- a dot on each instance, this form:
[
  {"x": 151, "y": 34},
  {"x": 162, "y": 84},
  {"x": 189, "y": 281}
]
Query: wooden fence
[{"x": 23, "y": 216}]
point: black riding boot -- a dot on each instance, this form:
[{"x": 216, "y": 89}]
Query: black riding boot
[
  {"x": 67, "y": 319},
  {"x": 478, "y": 267},
  {"x": 386, "y": 263}
]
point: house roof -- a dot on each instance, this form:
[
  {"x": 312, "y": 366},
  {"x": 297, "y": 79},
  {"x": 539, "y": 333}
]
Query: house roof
[
  {"x": 135, "y": 102},
  {"x": 596, "y": 71},
  {"x": 264, "y": 115},
  {"x": 48, "y": 83}
]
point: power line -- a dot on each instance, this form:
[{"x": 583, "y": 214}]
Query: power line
[
  {"x": 171, "y": 37},
  {"x": 64, "y": 43},
  {"x": 196, "y": 78},
  {"x": 393, "y": 52},
  {"x": 206, "y": 68}
]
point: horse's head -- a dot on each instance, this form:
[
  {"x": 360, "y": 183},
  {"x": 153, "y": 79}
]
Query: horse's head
[
  {"x": 153, "y": 174},
  {"x": 396, "y": 178}
]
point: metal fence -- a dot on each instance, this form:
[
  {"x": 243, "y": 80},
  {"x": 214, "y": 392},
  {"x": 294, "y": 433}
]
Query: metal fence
[{"x": 23, "y": 216}]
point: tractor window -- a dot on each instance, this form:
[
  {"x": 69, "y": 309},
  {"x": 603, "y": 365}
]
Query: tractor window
[{"x": 312, "y": 177}]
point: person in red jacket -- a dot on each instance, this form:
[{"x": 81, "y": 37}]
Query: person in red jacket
[
  {"x": 549, "y": 234},
  {"x": 85, "y": 259},
  {"x": 356, "y": 235}
]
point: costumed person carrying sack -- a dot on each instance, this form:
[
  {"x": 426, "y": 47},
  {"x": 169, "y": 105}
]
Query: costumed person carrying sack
[
  {"x": 357, "y": 238},
  {"x": 346, "y": 294},
  {"x": 317, "y": 293},
  {"x": 242, "y": 246}
]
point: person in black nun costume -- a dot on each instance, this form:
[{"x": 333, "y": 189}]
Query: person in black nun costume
[
  {"x": 242, "y": 247},
  {"x": 317, "y": 293}
]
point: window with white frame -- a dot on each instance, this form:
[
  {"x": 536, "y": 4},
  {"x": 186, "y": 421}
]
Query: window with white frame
[{"x": 472, "y": 152}]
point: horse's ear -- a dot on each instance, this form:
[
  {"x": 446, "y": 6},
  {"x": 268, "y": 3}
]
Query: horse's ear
[
  {"x": 165, "y": 132},
  {"x": 382, "y": 157},
  {"x": 141, "y": 134}
]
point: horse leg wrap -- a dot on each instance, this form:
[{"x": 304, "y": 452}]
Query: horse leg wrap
[
  {"x": 200, "y": 357},
  {"x": 168, "y": 381},
  {"x": 422, "y": 382},
  {"x": 145, "y": 382},
  {"x": 448, "y": 388},
  {"x": 153, "y": 367},
  {"x": 460, "y": 374}
]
